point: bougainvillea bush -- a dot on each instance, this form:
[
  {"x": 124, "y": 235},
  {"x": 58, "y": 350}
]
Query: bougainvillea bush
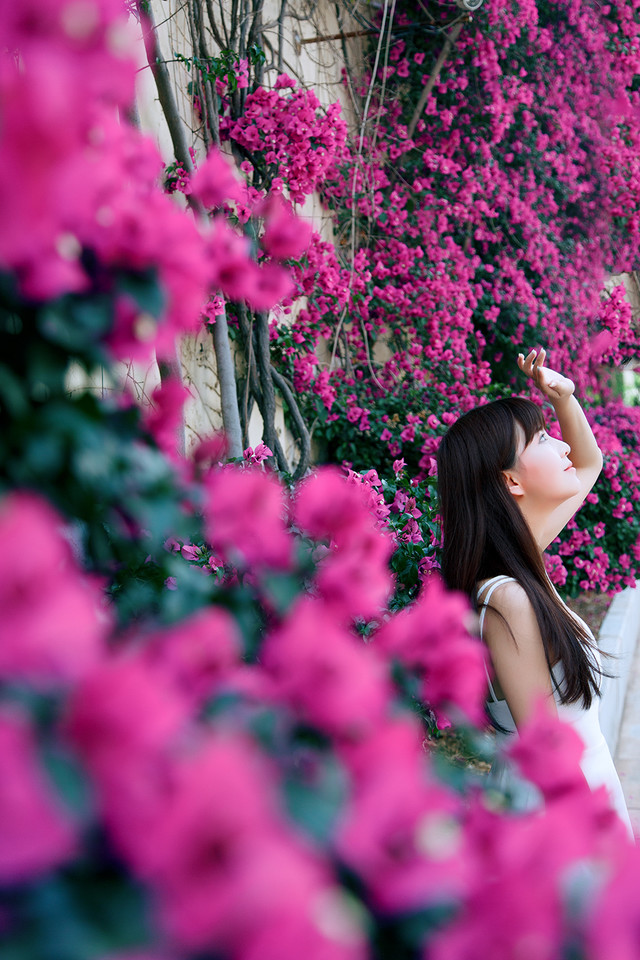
[{"x": 482, "y": 224}]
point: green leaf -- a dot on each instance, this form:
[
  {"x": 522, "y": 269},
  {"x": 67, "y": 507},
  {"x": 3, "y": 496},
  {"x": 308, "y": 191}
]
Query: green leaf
[
  {"x": 316, "y": 801},
  {"x": 145, "y": 290}
]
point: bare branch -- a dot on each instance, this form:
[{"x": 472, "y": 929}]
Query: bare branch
[
  {"x": 435, "y": 73},
  {"x": 165, "y": 90},
  {"x": 217, "y": 36},
  {"x": 304, "y": 437},
  {"x": 227, "y": 379}
]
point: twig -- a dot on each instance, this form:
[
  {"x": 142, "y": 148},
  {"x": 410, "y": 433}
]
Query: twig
[{"x": 301, "y": 428}]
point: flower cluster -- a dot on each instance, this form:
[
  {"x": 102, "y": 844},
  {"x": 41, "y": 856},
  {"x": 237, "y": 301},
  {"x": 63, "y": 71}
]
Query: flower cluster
[
  {"x": 285, "y": 131},
  {"x": 463, "y": 231},
  {"x": 213, "y": 770},
  {"x": 80, "y": 198}
]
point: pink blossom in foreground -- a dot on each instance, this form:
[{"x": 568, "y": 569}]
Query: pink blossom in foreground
[
  {"x": 326, "y": 507},
  {"x": 613, "y": 923},
  {"x": 328, "y": 677},
  {"x": 126, "y": 722},
  {"x": 199, "y": 653},
  {"x": 54, "y": 623},
  {"x": 548, "y": 753},
  {"x": 245, "y": 518},
  {"x": 36, "y": 834},
  {"x": 285, "y": 235},
  {"x": 225, "y": 873},
  {"x": 513, "y": 907},
  {"x": 124, "y": 712},
  {"x": 325, "y": 925},
  {"x": 402, "y": 830},
  {"x": 214, "y": 181},
  {"x": 163, "y": 418},
  {"x": 354, "y": 579},
  {"x": 432, "y": 638}
]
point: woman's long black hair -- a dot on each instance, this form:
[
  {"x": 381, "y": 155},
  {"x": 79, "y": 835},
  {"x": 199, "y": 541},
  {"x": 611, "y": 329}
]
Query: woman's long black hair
[{"x": 485, "y": 533}]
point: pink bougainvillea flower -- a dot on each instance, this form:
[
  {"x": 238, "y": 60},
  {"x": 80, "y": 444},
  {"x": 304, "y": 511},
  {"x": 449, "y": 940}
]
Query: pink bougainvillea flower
[
  {"x": 432, "y": 637},
  {"x": 36, "y": 834},
  {"x": 326, "y": 507},
  {"x": 266, "y": 285},
  {"x": 219, "y": 845},
  {"x": 54, "y": 623},
  {"x": 231, "y": 268},
  {"x": 126, "y": 721},
  {"x": 548, "y": 753},
  {"x": 285, "y": 235},
  {"x": 612, "y": 926},
  {"x": 337, "y": 682},
  {"x": 245, "y": 518},
  {"x": 402, "y": 831},
  {"x": 513, "y": 903},
  {"x": 319, "y": 921},
  {"x": 124, "y": 711},
  {"x": 206, "y": 843},
  {"x": 261, "y": 453},
  {"x": 354, "y": 576},
  {"x": 199, "y": 653},
  {"x": 163, "y": 418},
  {"x": 210, "y": 452},
  {"x": 214, "y": 181},
  {"x": 354, "y": 579}
]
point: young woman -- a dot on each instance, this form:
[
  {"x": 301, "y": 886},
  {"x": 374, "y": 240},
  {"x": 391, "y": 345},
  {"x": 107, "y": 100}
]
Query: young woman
[{"x": 507, "y": 489}]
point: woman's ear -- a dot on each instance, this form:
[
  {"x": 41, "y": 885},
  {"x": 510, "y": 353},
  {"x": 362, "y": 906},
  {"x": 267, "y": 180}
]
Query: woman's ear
[{"x": 513, "y": 484}]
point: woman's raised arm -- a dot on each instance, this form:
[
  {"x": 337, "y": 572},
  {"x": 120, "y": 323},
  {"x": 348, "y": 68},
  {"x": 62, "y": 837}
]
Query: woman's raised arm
[{"x": 576, "y": 432}]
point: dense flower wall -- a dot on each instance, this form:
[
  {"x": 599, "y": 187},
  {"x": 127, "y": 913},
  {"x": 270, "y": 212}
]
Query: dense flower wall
[{"x": 491, "y": 228}]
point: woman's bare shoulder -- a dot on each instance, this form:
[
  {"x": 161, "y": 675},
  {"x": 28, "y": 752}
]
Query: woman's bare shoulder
[{"x": 509, "y": 598}]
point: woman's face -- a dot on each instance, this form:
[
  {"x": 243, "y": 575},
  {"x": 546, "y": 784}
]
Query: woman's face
[{"x": 543, "y": 470}]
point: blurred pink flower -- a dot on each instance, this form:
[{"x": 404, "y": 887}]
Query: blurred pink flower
[
  {"x": 320, "y": 923},
  {"x": 285, "y": 235},
  {"x": 548, "y": 753},
  {"x": 214, "y": 181},
  {"x": 402, "y": 831},
  {"x": 199, "y": 653},
  {"x": 54, "y": 622},
  {"x": 327, "y": 507},
  {"x": 354, "y": 579},
  {"x": 245, "y": 518},
  {"x": 126, "y": 722},
  {"x": 210, "y": 452},
  {"x": 122, "y": 712},
  {"x": 513, "y": 903},
  {"x": 612, "y": 923},
  {"x": 216, "y": 848},
  {"x": 432, "y": 637},
  {"x": 328, "y": 677},
  {"x": 163, "y": 418},
  {"x": 36, "y": 834},
  {"x": 266, "y": 285}
]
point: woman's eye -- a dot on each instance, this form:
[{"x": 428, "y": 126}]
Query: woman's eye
[{"x": 543, "y": 436}]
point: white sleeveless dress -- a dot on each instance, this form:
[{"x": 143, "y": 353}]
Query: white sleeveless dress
[{"x": 597, "y": 763}]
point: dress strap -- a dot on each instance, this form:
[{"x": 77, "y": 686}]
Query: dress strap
[{"x": 489, "y": 586}]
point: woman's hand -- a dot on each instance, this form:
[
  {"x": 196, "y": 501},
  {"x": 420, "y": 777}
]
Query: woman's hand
[{"x": 552, "y": 384}]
